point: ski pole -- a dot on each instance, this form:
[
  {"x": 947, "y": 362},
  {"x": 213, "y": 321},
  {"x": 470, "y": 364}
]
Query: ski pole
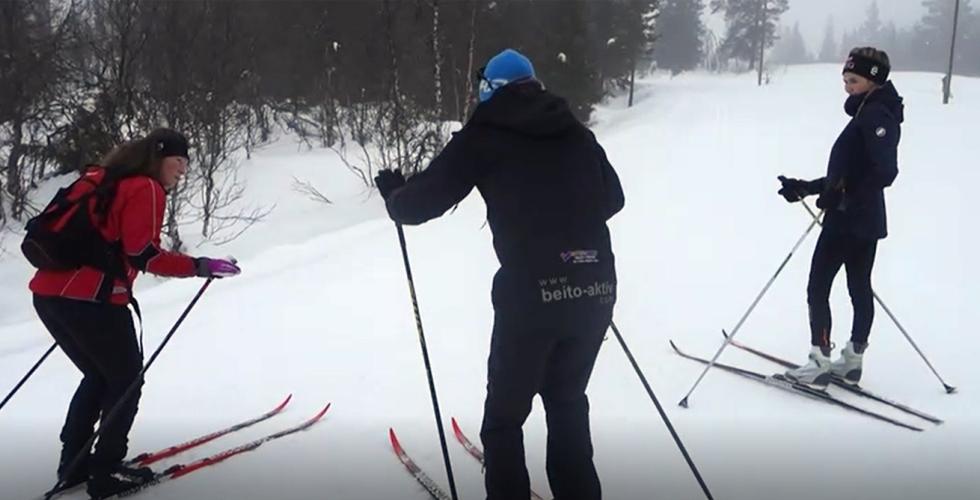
[
  {"x": 29, "y": 373},
  {"x": 663, "y": 414},
  {"x": 428, "y": 365},
  {"x": 949, "y": 389},
  {"x": 755, "y": 302},
  {"x": 111, "y": 415}
]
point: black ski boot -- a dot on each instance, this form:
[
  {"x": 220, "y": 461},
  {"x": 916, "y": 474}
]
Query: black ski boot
[
  {"x": 76, "y": 478},
  {"x": 120, "y": 479},
  {"x": 134, "y": 473}
]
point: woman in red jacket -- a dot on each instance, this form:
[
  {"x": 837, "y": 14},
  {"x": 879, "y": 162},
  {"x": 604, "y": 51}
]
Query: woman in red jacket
[{"x": 85, "y": 309}]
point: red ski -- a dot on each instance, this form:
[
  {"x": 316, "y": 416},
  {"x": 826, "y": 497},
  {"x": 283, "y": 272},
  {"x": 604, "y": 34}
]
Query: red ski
[
  {"x": 145, "y": 459},
  {"x": 476, "y": 452},
  {"x": 181, "y": 470},
  {"x": 430, "y": 486}
]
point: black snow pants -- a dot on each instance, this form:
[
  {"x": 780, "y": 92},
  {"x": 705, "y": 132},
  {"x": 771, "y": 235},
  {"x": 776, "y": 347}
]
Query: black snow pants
[
  {"x": 100, "y": 340},
  {"x": 552, "y": 357}
]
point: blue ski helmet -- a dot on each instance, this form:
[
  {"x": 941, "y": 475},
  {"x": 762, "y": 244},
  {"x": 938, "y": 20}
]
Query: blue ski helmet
[{"x": 504, "y": 68}]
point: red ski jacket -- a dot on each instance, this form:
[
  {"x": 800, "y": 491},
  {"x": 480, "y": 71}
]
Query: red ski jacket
[{"x": 134, "y": 218}]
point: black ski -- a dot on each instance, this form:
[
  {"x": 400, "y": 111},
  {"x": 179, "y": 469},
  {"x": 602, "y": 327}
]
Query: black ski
[
  {"x": 854, "y": 389},
  {"x": 803, "y": 390}
]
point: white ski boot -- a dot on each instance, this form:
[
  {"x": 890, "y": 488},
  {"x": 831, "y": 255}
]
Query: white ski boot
[
  {"x": 848, "y": 366},
  {"x": 816, "y": 373}
]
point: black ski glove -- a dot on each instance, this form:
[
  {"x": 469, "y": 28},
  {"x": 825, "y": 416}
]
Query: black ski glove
[
  {"x": 830, "y": 198},
  {"x": 794, "y": 189},
  {"x": 387, "y": 181}
]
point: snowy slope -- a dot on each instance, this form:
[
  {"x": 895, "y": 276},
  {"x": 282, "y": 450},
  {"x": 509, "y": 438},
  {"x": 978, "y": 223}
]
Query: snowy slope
[{"x": 322, "y": 311}]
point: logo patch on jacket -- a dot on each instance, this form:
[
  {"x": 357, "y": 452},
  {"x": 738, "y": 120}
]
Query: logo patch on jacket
[
  {"x": 881, "y": 132},
  {"x": 580, "y": 256},
  {"x": 559, "y": 289}
]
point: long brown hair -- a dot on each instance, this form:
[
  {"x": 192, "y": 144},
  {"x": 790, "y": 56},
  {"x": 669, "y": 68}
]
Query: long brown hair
[{"x": 140, "y": 156}]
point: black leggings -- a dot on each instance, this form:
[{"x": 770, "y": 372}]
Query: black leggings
[
  {"x": 857, "y": 255},
  {"x": 101, "y": 341}
]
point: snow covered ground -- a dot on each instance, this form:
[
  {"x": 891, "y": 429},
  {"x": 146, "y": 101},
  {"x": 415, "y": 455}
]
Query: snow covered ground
[{"x": 322, "y": 311}]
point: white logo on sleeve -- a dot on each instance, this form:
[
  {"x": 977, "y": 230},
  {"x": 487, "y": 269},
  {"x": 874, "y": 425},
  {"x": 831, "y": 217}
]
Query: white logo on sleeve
[{"x": 880, "y": 132}]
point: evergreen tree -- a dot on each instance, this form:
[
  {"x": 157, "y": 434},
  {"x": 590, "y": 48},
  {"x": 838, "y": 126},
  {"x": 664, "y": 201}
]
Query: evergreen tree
[
  {"x": 889, "y": 38},
  {"x": 849, "y": 40},
  {"x": 680, "y": 32},
  {"x": 627, "y": 39},
  {"x": 829, "y": 50},
  {"x": 935, "y": 31},
  {"x": 791, "y": 48},
  {"x": 749, "y": 23},
  {"x": 871, "y": 30},
  {"x": 970, "y": 51}
]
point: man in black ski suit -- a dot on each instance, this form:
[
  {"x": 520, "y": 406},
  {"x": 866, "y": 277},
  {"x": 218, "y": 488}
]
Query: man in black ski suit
[{"x": 549, "y": 191}]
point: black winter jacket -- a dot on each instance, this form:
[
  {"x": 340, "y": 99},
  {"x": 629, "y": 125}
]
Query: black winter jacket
[
  {"x": 863, "y": 162},
  {"x": 549, "y": 191}
]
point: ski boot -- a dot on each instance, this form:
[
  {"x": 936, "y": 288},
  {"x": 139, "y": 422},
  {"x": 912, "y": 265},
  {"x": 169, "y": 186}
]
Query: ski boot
[
  {"x": 848, "y": 367},
  {"x": 120, "y": 479},
  {"x": 76, "y": 478},
  {"x": 816, "y": 373}
]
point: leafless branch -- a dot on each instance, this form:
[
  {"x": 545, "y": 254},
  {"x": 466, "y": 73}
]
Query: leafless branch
[{"x": 310, "y": 191}]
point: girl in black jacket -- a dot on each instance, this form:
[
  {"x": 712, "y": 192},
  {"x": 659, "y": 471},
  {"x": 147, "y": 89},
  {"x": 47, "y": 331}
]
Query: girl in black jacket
[{"x": 862, "y": 163}]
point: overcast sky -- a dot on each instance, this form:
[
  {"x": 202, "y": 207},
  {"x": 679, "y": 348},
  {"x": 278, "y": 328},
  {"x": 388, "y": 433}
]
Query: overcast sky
[{"x": 847, "y": 14}]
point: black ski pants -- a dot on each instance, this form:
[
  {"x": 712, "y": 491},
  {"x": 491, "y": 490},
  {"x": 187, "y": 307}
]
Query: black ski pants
[
  {"x": 553, "y": 358},
  {"x": 101, "y": 341},
  {"x": 857, "y": 255}
]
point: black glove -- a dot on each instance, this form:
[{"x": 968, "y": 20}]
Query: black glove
[
  {"x": 830, "y": 198},
  {"x": 831, "y": 195},
  {"x": 793, "y": 189},
  {"x": 387, "y": 181}
]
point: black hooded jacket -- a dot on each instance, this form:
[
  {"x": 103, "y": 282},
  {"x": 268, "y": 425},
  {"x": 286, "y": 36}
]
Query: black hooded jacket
[
  {"x": 549, "y": 191},
  {"x": 863, "y": 162}
]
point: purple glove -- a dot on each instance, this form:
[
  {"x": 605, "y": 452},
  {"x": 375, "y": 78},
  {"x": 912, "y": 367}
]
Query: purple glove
[{"x": 217, "y": 268}]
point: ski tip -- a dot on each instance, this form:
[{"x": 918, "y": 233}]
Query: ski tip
[
  {"x": 319, "y": 414},
  {"x": 323, "y": 411},
  {"x": 456, "y": 429},
  {"x": 672, "y": 344},
  {"x": 285, "y": 402},
  {"x": 394, "y": 439},
  {"x": 949, "y": 389},
  {"x": 724, "y": 333}
]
